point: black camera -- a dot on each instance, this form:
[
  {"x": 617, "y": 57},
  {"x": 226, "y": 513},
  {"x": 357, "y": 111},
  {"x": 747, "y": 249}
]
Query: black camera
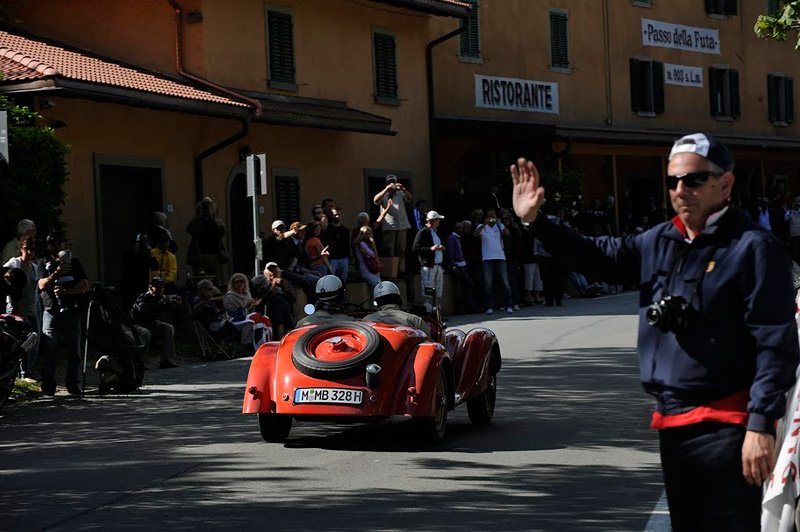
[{"x": 672, "y": 313}]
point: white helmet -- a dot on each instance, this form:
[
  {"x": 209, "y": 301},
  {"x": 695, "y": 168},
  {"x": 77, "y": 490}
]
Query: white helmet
[
  {"x": 388, "y": 290},
  {"x": 329, "y": 287}
]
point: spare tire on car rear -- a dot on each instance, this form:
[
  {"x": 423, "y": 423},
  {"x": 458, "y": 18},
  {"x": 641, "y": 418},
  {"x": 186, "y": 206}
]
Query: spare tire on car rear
[{"x": 336, "y": 350}]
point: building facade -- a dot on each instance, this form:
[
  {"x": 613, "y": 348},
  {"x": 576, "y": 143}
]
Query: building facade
[
  {"x": 598, "y": 89},
  {"x": 161, "y": 100}
]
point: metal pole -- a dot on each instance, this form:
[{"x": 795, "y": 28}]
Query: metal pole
[{"x": 256, "y": 240}]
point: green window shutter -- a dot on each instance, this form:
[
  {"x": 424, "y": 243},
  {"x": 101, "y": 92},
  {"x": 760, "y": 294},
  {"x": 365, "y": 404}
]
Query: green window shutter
[
  {"x": 287, "y": 198},
  {"x": 470, "y": 37},
  {"x": 714, "y": 90},
  {"x": 711, "y": 6},
  {"x": 772, "y": 7},
  {"x": 559, "y": 51},
  {"x": 385, "y": 66},
  {"x": 731, "y": 7},
  {"x": 733, "y": 76},
  {"x": 789, "y": 88},
  {"x": 773, "y": 84},
  {"x": 637, "y": 99},
  {"x": 281, "y": 47},
  {"x": 658, "y": 87}
]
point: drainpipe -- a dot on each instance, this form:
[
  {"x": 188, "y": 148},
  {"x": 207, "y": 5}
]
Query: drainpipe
[
  {"x": 198, "y": 160},
  {"x": 179, "y": 63},
  {"x": 431, "y": 104}
]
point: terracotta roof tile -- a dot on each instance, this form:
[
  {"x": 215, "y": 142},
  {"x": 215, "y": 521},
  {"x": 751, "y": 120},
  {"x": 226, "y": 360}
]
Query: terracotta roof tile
[{"x": 24, "y": 58}]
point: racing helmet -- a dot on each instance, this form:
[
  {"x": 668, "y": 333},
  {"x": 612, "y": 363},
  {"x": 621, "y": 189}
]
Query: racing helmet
[
  {"x": 329, "y": 288},
  {"x": 386, "y": 292}
]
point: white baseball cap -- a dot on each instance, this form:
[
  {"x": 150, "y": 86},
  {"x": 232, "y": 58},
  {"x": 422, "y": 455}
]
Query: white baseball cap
[
  {"x": 277, "y": 223},
  {"x": 433, "y": 215}
]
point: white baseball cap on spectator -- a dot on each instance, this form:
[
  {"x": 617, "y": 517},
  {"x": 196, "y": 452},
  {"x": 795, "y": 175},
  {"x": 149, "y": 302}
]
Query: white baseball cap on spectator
[
  {"x": 278, "y": 223},
  {"x": 433, "y": 215}
]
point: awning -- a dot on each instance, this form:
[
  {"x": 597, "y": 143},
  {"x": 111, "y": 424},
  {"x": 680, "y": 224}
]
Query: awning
[{"x": 445, "y": 8}]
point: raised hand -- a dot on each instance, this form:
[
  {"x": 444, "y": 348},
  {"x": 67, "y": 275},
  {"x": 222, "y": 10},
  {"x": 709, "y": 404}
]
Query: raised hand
[{"x": 528, "y": 195}]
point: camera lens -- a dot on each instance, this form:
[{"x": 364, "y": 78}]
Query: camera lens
[{"x": 653, "y": 314}]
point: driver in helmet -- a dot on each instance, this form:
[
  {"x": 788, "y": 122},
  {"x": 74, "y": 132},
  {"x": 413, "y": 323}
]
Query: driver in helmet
[
  {"x": 330, "y": 295},
  {"x": 387, "y": 298}
]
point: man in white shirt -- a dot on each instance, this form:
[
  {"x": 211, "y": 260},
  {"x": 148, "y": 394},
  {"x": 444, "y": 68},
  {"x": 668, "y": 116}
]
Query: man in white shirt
[{"x": 491, "y": 233}]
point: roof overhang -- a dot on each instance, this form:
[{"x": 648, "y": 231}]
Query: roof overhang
[
  {"x": 443, "y": 8},
  {"x": 297, "y": 112}
]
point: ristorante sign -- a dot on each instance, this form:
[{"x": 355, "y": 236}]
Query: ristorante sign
[
  {"x": 516, "y": 94},
  {"x": 688, "y": 38}
]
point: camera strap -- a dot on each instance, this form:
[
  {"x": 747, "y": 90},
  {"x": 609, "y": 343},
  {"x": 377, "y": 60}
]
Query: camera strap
[{"x": 676, "y": 268}]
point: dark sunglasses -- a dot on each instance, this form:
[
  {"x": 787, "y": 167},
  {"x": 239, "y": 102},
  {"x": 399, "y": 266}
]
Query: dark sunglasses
[{"x": 690, "y": 179}]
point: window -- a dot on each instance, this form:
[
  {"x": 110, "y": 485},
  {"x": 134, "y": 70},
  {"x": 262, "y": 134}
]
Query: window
[
  {"x": 722, "y": 7},
  {"x": 471, "y": 37},
  {"x": 647, "y": 87},
  {"x": 773, "y": 7},
  {"x": 642, "y": 3},
  {"x": 781, "y": 99},
  {"x": 287, "y": 196},
  {"x": 384, "y": 56},
  {"x": 280, "y": 39},
  {"x": 723, "y": 84},
  {"x": 559, "y": 51}
]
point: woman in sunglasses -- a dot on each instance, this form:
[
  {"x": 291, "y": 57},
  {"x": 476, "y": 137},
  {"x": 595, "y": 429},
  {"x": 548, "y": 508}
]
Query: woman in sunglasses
[{"x": 717, "y": 343}]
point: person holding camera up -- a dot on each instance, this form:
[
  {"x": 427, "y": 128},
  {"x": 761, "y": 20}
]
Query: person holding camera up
[
  {"x": 491, "y": 233},
  {"x": 395, "y": 223},
  {"x": 717, "y": 344},
  {"x": 64, "y": 290}
]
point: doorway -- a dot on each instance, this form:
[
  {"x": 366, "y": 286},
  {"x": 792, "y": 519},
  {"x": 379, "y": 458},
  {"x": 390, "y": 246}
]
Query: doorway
[
  {"x": 128, "y": 194},
  {"x": 241, "y": 231}
]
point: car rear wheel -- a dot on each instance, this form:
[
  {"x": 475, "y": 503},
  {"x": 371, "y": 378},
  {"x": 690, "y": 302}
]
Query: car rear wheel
[
  {"x": 336, "y": 350},
  {"x": 481, "y": 407},
  {"x": 433, "y": 429},
  {"x": 275, "y": 428}
]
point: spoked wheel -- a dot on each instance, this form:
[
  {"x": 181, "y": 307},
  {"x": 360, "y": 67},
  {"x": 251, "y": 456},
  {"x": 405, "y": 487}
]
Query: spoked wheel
[
  {"x": 481, "y": 407},
  {"x": 433, "y": 429},
  {"x": 275, "y": 428}
]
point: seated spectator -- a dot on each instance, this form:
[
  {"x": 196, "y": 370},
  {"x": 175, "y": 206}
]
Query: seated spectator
[
  {"x": 277, "y": 297},
  {"x": 206, "y": 307},
  {"x": 239, "y": 304},
  {"x": 145, "y": 315},
  {"x": 362, "y": 219},
  {"x": 330, "y": 295},
  {"x": 297, "y": 262},
  {"x": 317, "y": 253},
  {"x": 388, "y": 300},
  {"x": 137, "y": 263},
  {"x": 367, "y": 257}
]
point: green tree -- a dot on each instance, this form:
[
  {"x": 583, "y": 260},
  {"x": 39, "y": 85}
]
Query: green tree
[
  {"x": 32, "y": 183},
  {"x": 780, "y": 25}
]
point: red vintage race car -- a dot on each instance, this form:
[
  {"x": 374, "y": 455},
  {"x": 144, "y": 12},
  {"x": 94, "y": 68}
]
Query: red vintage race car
[{"x": 362, "y": 371}]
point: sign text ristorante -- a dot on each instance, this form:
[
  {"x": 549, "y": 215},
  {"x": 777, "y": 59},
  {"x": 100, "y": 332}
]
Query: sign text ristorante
[{"x": 516, "y": 94}]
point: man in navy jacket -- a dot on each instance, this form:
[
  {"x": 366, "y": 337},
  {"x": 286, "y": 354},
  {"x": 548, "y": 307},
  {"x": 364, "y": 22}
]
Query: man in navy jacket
[{"x": 717, "y": 343}]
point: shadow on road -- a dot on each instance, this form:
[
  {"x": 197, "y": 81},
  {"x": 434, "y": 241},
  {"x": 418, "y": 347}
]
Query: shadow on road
[{"x": 180, "y": 456}]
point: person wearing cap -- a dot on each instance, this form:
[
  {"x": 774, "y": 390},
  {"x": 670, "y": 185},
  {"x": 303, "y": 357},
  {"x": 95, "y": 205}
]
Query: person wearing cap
[
  {"x": 64, "y": 289},
  {"x": 395, "y": 224},
  {"x": 330, "y": 295},
  {"x": 430, "y": 250},
  {"x": 24, "y": 228},
  {"x": 145, "y": 314},
  {"x": 493, "y": 259},
  {"x": 386, "y": 297},
  {"x": 717, "y": 340}
]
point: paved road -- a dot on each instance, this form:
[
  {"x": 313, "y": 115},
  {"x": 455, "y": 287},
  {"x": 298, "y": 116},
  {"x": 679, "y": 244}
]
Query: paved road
[{"x": 569, "y": 449}]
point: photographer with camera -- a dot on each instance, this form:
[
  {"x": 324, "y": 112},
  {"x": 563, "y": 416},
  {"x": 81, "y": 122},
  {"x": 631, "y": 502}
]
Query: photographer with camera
[
  {"x": 64, "y": 290},
  {"x": 717, "y": 342},
  {"x": 394, "y": 197},
  {"x": 145, "y": 315}
]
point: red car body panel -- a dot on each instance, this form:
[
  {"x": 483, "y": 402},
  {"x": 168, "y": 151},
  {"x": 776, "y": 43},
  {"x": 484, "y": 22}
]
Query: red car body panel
[{"x": 409, "y": 365}]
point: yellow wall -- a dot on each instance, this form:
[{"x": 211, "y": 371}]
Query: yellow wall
[
  {"x": 521, "y": 50},
  {"x": 333, "y": 47}
]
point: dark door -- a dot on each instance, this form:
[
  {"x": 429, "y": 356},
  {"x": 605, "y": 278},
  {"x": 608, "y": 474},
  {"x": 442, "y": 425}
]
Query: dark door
[
  {"x": 242, "y": 251},
  {"x": 128, "y": 197}
]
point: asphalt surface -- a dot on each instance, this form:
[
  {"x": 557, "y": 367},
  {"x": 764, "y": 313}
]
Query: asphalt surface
[{"x": 569, "y": 449}]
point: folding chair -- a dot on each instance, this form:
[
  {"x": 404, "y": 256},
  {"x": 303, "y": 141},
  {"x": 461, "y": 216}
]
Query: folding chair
[{"x": 212, "y": 348}]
